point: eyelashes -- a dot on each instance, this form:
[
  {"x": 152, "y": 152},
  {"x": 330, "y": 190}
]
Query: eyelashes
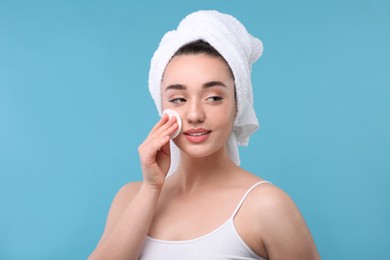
[
  {"x": 177, "y": 100},
  {"x": 210, "y": 99},
  {"x": 215, "y": 98}
]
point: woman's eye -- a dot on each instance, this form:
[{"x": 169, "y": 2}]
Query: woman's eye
[
  {"x": 177, "y": 100},
  {"x": 214, "y": 98}
]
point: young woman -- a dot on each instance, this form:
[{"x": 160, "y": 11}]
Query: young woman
[{"x": 209, "y": 207}]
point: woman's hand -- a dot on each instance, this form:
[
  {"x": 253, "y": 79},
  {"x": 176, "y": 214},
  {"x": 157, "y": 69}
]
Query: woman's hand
[{"x": 155, "y": 152}]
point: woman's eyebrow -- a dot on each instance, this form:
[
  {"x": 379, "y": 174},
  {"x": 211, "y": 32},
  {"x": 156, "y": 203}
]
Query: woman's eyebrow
[
  {"x": 213, "y": 84},
  {"x": 176, "y": 86},
  {"x": 209, "y": 84}
]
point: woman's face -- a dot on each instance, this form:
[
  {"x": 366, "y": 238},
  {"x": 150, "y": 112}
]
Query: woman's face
[{"x": 200, "y": 88}]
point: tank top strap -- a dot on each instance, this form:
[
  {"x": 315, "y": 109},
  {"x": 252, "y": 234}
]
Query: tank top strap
[{"x": 245, "y": 195}]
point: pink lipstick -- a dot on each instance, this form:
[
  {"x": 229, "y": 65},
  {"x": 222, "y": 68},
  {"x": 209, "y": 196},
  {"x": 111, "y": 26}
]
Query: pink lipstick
[{"x": 197, "y": 135}]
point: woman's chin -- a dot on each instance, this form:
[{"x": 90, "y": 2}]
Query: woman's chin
[{"x": 200, "y": 152}]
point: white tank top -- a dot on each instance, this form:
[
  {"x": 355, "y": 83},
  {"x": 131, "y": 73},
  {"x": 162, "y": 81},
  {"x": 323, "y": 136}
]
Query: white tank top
[{"x": 221, "y": 243}]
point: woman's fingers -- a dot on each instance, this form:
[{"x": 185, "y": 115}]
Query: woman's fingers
[
  {"x": 163, "y": 120},
  {"x": 163, "y": 137},
  {"x": 163, "y": 158},
  {"x": 163, "y": 127},
  {"x": 154, "y": 152},
  {"x": 157, "y": 139}
]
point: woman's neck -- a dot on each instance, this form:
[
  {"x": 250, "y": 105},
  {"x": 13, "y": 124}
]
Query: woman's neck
[{"x": 194, "y": 173}]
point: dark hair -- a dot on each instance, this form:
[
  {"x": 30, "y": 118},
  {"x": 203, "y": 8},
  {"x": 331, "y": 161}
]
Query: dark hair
[{"x": 199, "y": 47}]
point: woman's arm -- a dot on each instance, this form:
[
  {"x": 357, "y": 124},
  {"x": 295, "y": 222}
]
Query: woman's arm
[
  {"x": 283, "y": 231},
  {"x": 133, "y": 208},
  {"x": 127, "y": 223}
]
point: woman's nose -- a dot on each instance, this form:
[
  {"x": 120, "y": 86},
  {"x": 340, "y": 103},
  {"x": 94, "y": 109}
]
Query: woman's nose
[{"x": 195, "y": 113}]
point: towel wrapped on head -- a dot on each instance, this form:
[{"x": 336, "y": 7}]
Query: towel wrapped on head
[{"x": 240, "y": 50}]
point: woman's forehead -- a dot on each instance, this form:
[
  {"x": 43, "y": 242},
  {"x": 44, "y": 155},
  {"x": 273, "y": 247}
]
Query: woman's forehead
[{"x": 195, "y": 67}]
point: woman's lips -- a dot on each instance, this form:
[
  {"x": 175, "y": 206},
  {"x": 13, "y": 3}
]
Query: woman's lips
[{"x": 197, "y": 135}]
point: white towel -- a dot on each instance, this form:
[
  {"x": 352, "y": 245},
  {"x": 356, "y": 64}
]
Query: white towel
[{"x": 240, "y": 49}]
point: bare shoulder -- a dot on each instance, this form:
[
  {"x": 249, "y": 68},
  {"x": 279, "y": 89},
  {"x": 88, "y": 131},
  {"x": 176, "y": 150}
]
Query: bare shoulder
[
  {"x": 127, "y": 192},
  {"x": 118, "y": 205},
  {"x": 120, "y": 202},
  {"x": 279, "y": 224},
  {"x": 271, "y": 200},
  {"x": 269, "y": 206}
]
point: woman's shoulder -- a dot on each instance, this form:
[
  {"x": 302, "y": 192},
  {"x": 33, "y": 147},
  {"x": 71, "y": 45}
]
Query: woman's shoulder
[
  {"x": 127, "y": 192},
  {"x": 267, "y": 204},
  {"x": 276, "y": 219},
  {"x": 131, "y": 186},
  {"x": 268, "y": 194},
  {"x": 264, "y": 193},
  {"x": 122, "y": 198},
  {"x": 264, "y": 196},
  {"x": 267, "y": 201}
]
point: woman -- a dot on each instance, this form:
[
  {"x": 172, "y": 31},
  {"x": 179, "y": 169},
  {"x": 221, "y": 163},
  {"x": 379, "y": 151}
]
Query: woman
[{"x": 208, "y": 207}]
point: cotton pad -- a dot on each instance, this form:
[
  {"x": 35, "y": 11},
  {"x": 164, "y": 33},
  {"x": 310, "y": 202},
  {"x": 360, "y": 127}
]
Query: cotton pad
[{"x": 172, "y": 113}]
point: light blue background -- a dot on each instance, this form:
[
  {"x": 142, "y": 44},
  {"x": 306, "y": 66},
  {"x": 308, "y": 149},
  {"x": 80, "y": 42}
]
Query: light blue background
[{"x": 74, "y": 106}]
